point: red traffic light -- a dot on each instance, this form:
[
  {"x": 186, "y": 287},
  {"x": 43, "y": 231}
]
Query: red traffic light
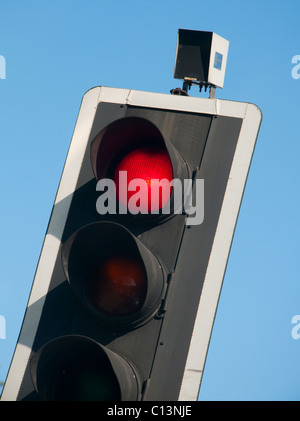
[
  {"x": 140, "y": 284},
  {"x": 150, "y": 163},
  {"x": 135, "y": 149}
]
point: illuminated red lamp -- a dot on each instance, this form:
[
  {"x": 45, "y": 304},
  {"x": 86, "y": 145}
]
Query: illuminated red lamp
[
  {"x": 152, "y": 164},
  {"x": 136, "y": 147}
]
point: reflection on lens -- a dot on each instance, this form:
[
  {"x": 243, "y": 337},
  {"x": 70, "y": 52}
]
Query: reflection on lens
[{"x": 118, "y": 286}]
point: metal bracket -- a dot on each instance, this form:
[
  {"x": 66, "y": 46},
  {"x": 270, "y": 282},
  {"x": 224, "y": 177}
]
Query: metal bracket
[
  {"x": 187, "y": 84},
  {"x": 162, "y": 308}
]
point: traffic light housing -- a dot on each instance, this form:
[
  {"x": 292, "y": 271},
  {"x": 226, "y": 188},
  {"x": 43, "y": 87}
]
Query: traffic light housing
[{"x": 127, "y": 285}]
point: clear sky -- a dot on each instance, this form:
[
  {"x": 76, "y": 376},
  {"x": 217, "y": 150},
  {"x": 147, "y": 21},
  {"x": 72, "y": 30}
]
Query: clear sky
[{"x": 53, "y": 52}]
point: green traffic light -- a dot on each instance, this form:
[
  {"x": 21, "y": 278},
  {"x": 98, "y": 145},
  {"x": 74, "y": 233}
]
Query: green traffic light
[
  {"x": 85, "y": 382},
  {"x": 77, "y": 368}
]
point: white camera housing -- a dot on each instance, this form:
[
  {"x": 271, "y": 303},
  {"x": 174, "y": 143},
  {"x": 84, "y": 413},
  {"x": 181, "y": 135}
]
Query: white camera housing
[{"x": 201, "y": 57}]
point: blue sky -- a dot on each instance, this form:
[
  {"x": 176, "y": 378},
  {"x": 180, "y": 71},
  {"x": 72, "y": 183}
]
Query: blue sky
[{"x": 54, "y": 52}]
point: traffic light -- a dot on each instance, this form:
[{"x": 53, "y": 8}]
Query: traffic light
[{"x": 127, "y": 285}]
